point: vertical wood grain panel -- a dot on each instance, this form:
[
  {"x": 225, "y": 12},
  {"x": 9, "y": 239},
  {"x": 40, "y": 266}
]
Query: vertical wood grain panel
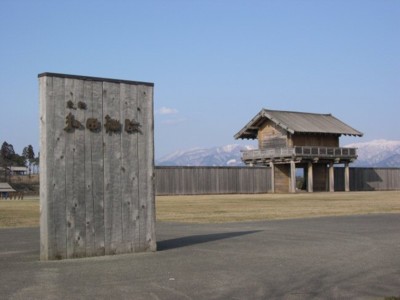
[
  {"x": 212, "y": 180},
  {"x": 146, "y": 167},
  {"x": 58, "y": 178},
  {"x": 129, "y": 160},
  {"x": 88, "y": 171},
  {"x": 79, "y": 174},
  {"x": 46, "y": 193},
  {"x": 369, "y": 179},
  {"x": 97, "y": 163},
  {"x": 112, "y": 171},
  {"x": 97, "y": 187},
  {"x": 151, "y": 200},
  {"x": 69, "y": 173},
  {"x": 217, "y": 180}
]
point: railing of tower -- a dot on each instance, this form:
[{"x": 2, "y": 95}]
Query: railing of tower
[{"x": 303, "y": 151}]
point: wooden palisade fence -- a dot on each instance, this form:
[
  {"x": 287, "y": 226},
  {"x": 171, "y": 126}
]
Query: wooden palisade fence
[
  {"x": 212, "y": 180},
  {"x": 369, "y": 179},
  {"x": 253, "y": 180}
]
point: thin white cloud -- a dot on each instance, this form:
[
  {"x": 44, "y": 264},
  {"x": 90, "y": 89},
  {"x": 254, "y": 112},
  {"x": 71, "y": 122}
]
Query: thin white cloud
[
  {"x": 167, "y": 111},
  {"x": 173, "y": 121}
]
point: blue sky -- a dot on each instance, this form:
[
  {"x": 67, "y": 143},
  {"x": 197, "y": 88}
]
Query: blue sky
[{"x": 215, "y": 64}]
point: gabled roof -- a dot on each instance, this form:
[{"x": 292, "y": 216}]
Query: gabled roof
[
  {"x": 5, "y": 187},
  {"x": 297, "y": 122}
]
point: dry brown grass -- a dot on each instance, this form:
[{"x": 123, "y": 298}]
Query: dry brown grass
[
  {"x": 234, "y": 208},
  {"x": 19, "y": 213}
]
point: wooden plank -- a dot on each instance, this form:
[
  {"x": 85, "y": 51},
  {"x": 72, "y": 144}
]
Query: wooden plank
[
  {"x": 253, "y": 177},
  {"x": 346, "y": 178},
  {"x": 272, "y": 177},
  {"x": 112, "y": 171},
  {"x": 97, "y": 162},
  {"x": 69, "y": 173},
  {"x": 151, "y": 212},
  {"x": 223, "y": 178},
  {"x": 206, "y": 180},
  {"x": 353, "y": 181},
  {"x": 146, "y": 169},
  {"x": 242, "y": 183},
  {"x": 160, "y": 181},
  {"x": 250, "y": 180},
  {"x": 292, "y": 177},
  {"x": 282, "y": 175},
  {"x": 130, "y": 165},
  {"x": 191, "y": 181},
  {"x": 108, "y": 197},
  {"x": 396, "y": 179},
  {"x": 331, "y": 178},
  {"x": 267, "y": 173},
  {"x": 88, "y": 171},
  {"x": 310, "y": 183},
  {"x": 58, "y": 177},
  {"x": 79, "y": 173},
  {"x": 142, "y": 179},
  {"x": 214, "y": 186},
  {"x": 258, "y": 186},
  {"x": 319, "y": 177},
  {"x": 46, "y": 196},
  {"x": 166, "y": 181}
]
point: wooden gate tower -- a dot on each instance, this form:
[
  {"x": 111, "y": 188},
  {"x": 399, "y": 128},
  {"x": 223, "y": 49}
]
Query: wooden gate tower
[{"x": 289, "y": 140}]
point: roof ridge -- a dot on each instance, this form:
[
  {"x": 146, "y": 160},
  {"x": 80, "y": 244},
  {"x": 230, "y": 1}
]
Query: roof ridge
[{"x": 296, "y": 112}]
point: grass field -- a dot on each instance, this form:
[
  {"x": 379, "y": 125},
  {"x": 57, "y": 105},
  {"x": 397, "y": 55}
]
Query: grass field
[
  {"x": 19, "y": 213},
  {"x": 234, "y": 208}
]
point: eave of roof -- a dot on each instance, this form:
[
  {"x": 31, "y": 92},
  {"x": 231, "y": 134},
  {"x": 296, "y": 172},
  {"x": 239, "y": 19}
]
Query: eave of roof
[{"x": 5, "y": 187}]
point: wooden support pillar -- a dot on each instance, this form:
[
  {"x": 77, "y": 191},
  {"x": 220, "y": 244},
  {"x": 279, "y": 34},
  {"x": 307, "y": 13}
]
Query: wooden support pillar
[
  {"x": 331, "y": 178},
  {"x": 346, "y": 177},
  {"x": 292, "y": 182},
  {"x": 310, "y": 183},
  {"x": 271, "y": 164}
]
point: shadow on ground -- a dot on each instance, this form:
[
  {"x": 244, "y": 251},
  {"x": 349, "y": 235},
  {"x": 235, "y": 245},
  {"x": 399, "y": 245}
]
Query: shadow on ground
[{"x": 199, "y": 239}]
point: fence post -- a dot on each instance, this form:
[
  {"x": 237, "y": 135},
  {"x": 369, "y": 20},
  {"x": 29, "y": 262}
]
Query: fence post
[
  {"x": 310, "y": 183},
  {"x": 331, "y": 177},
  {"x": 346, "y": 177}
]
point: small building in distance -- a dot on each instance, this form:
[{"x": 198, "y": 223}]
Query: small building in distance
[
  {"x": 13, "y": 170},
  {"x": 288, "y": 140},
  {"x": 5, "y": 190},
  {"x": 18, "y": 170}
]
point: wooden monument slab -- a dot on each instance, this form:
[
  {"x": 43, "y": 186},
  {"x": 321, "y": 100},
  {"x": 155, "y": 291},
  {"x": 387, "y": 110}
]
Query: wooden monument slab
[{"x": 96, "y": 166}]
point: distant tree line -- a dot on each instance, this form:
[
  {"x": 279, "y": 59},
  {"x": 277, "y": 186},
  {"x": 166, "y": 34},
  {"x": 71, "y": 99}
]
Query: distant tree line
[{"x": 9, "y": 158}]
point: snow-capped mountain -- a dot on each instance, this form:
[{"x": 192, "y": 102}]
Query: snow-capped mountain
[
  {"x": 377, "y": 153},
  {"x": 228, "y": 155}
]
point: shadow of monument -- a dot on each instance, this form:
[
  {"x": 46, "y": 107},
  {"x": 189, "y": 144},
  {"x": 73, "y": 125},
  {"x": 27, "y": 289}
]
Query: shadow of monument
[{"x": 199, "y": 239}]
